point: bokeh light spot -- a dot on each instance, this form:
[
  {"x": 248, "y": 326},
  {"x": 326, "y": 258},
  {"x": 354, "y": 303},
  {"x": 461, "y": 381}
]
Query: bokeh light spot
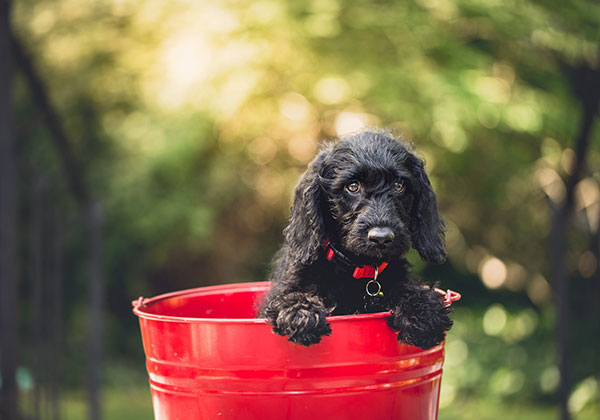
[
  {"x": 457, "y": 352},
  {"x": 332, "y": 90},
  {"x": 495, "y": 319},
  {"x": 549, "y": 379},
  {"x": 539, "y": 291},
  {"x": 587, "y": 264},
  {"x": 350, "y": 122},
  {"x": 492, "y": 272},
  {"x": 507, "y": 382},
  {"x": 262, "y": 150},
  {"x": 585, "y": 392},
  {"x": 295, "y": 107}
]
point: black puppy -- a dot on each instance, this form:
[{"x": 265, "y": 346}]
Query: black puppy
[{"x": 359, "y": 207}]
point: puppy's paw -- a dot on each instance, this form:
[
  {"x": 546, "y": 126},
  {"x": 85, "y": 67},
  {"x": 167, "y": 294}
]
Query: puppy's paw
[
  {"x": 421, "y": 319},
  {"x": 302, "y": 319},
  {"x": 302, "y": 326}
]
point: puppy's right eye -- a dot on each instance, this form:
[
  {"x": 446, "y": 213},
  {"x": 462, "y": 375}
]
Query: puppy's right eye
[{"x": 353, "y": 187}]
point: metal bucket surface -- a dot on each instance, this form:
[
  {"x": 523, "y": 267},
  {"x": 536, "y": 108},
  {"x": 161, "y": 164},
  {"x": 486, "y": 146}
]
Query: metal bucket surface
[{"x": 208, "y": 357}]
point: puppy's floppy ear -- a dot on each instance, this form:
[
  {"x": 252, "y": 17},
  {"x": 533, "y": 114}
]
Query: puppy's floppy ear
[
  {"x": 427, "y": 227},
  {"x": 306, "y": 228}
]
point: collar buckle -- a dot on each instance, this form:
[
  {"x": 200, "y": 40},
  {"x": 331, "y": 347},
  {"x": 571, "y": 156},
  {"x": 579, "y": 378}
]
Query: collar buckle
[{"x": 341, "y": 261}]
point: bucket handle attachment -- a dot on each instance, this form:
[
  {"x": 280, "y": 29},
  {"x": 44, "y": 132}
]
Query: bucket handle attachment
[
  {"x": 450, "y": 296},
  {"x": 139, "y": 302}
]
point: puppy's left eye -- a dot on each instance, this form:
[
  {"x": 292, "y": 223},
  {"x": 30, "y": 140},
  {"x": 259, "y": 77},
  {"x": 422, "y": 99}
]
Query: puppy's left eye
[
  {"x": 399, "y": 187},
  {"x": 353, "y": 187}
]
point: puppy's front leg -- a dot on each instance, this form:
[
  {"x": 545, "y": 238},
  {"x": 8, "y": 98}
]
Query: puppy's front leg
[
  {"x": 298, "y": 315},
  {"x": 420, "y": 316}
]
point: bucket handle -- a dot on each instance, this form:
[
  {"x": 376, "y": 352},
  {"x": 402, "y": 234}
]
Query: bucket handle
[{"x": 450, "y": 296}]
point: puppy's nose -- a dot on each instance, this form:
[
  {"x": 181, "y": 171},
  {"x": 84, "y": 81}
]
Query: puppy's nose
[{"x": 382, "y": 236}]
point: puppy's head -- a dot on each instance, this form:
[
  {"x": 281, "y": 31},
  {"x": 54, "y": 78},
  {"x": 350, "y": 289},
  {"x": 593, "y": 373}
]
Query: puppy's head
[{"x": 370, "y": 194}]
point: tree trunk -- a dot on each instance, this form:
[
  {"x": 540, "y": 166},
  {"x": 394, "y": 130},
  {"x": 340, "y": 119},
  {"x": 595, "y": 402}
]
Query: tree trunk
[
  {"x": 595, "y": 249},
  {"x": 91, "y": 212},
  {"x": 74, "y": 174},
  {"x": 558, "y": 238},
  {"x": 8, "y": 229},
  {"x": 586, "y": 83}
]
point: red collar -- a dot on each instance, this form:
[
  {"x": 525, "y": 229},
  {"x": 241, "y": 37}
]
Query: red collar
[{"x": 342, "y": 261}]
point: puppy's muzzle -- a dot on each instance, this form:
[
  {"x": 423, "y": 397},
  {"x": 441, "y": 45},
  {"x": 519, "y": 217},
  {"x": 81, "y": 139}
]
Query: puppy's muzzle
[{"x": 381, "y": 236}]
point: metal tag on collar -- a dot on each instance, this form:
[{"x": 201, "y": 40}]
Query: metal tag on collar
[{"x": 374, "y": 290}]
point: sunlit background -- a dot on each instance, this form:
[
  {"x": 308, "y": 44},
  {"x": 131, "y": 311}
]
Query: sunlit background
[{"x": 193, "y": 120}]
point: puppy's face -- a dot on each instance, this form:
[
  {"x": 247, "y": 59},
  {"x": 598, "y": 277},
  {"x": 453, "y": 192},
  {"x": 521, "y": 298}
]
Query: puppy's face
[{"x": 371, "y": 195}]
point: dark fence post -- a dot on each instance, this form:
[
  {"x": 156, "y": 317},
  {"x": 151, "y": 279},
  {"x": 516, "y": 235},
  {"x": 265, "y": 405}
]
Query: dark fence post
[
  {"x": 37, "y": 309},
  {"x": 9, "y": 409},
  {"x": 55, "y": 274},
  {"x": 94, "y": 218}
]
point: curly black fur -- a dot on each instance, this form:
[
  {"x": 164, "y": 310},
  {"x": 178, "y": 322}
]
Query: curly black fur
[{"x": 392, "y": 193}]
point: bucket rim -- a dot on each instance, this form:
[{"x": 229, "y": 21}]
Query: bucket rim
[{"x": 141, "y": 303}]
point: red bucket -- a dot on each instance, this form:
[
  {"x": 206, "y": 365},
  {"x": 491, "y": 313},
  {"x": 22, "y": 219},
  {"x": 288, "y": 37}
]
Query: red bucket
[{"x": 209, "y": 358}]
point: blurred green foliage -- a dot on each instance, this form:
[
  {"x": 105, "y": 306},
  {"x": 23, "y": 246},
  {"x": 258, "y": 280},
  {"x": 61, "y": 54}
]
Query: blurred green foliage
[{"x": 195, "y": 119}]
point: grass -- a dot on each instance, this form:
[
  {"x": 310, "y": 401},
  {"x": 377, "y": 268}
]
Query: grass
[
  {"x": 491, "y": 409},
  {"x": 133, "y": 402},
  {"x": 128, "y": 403}
]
